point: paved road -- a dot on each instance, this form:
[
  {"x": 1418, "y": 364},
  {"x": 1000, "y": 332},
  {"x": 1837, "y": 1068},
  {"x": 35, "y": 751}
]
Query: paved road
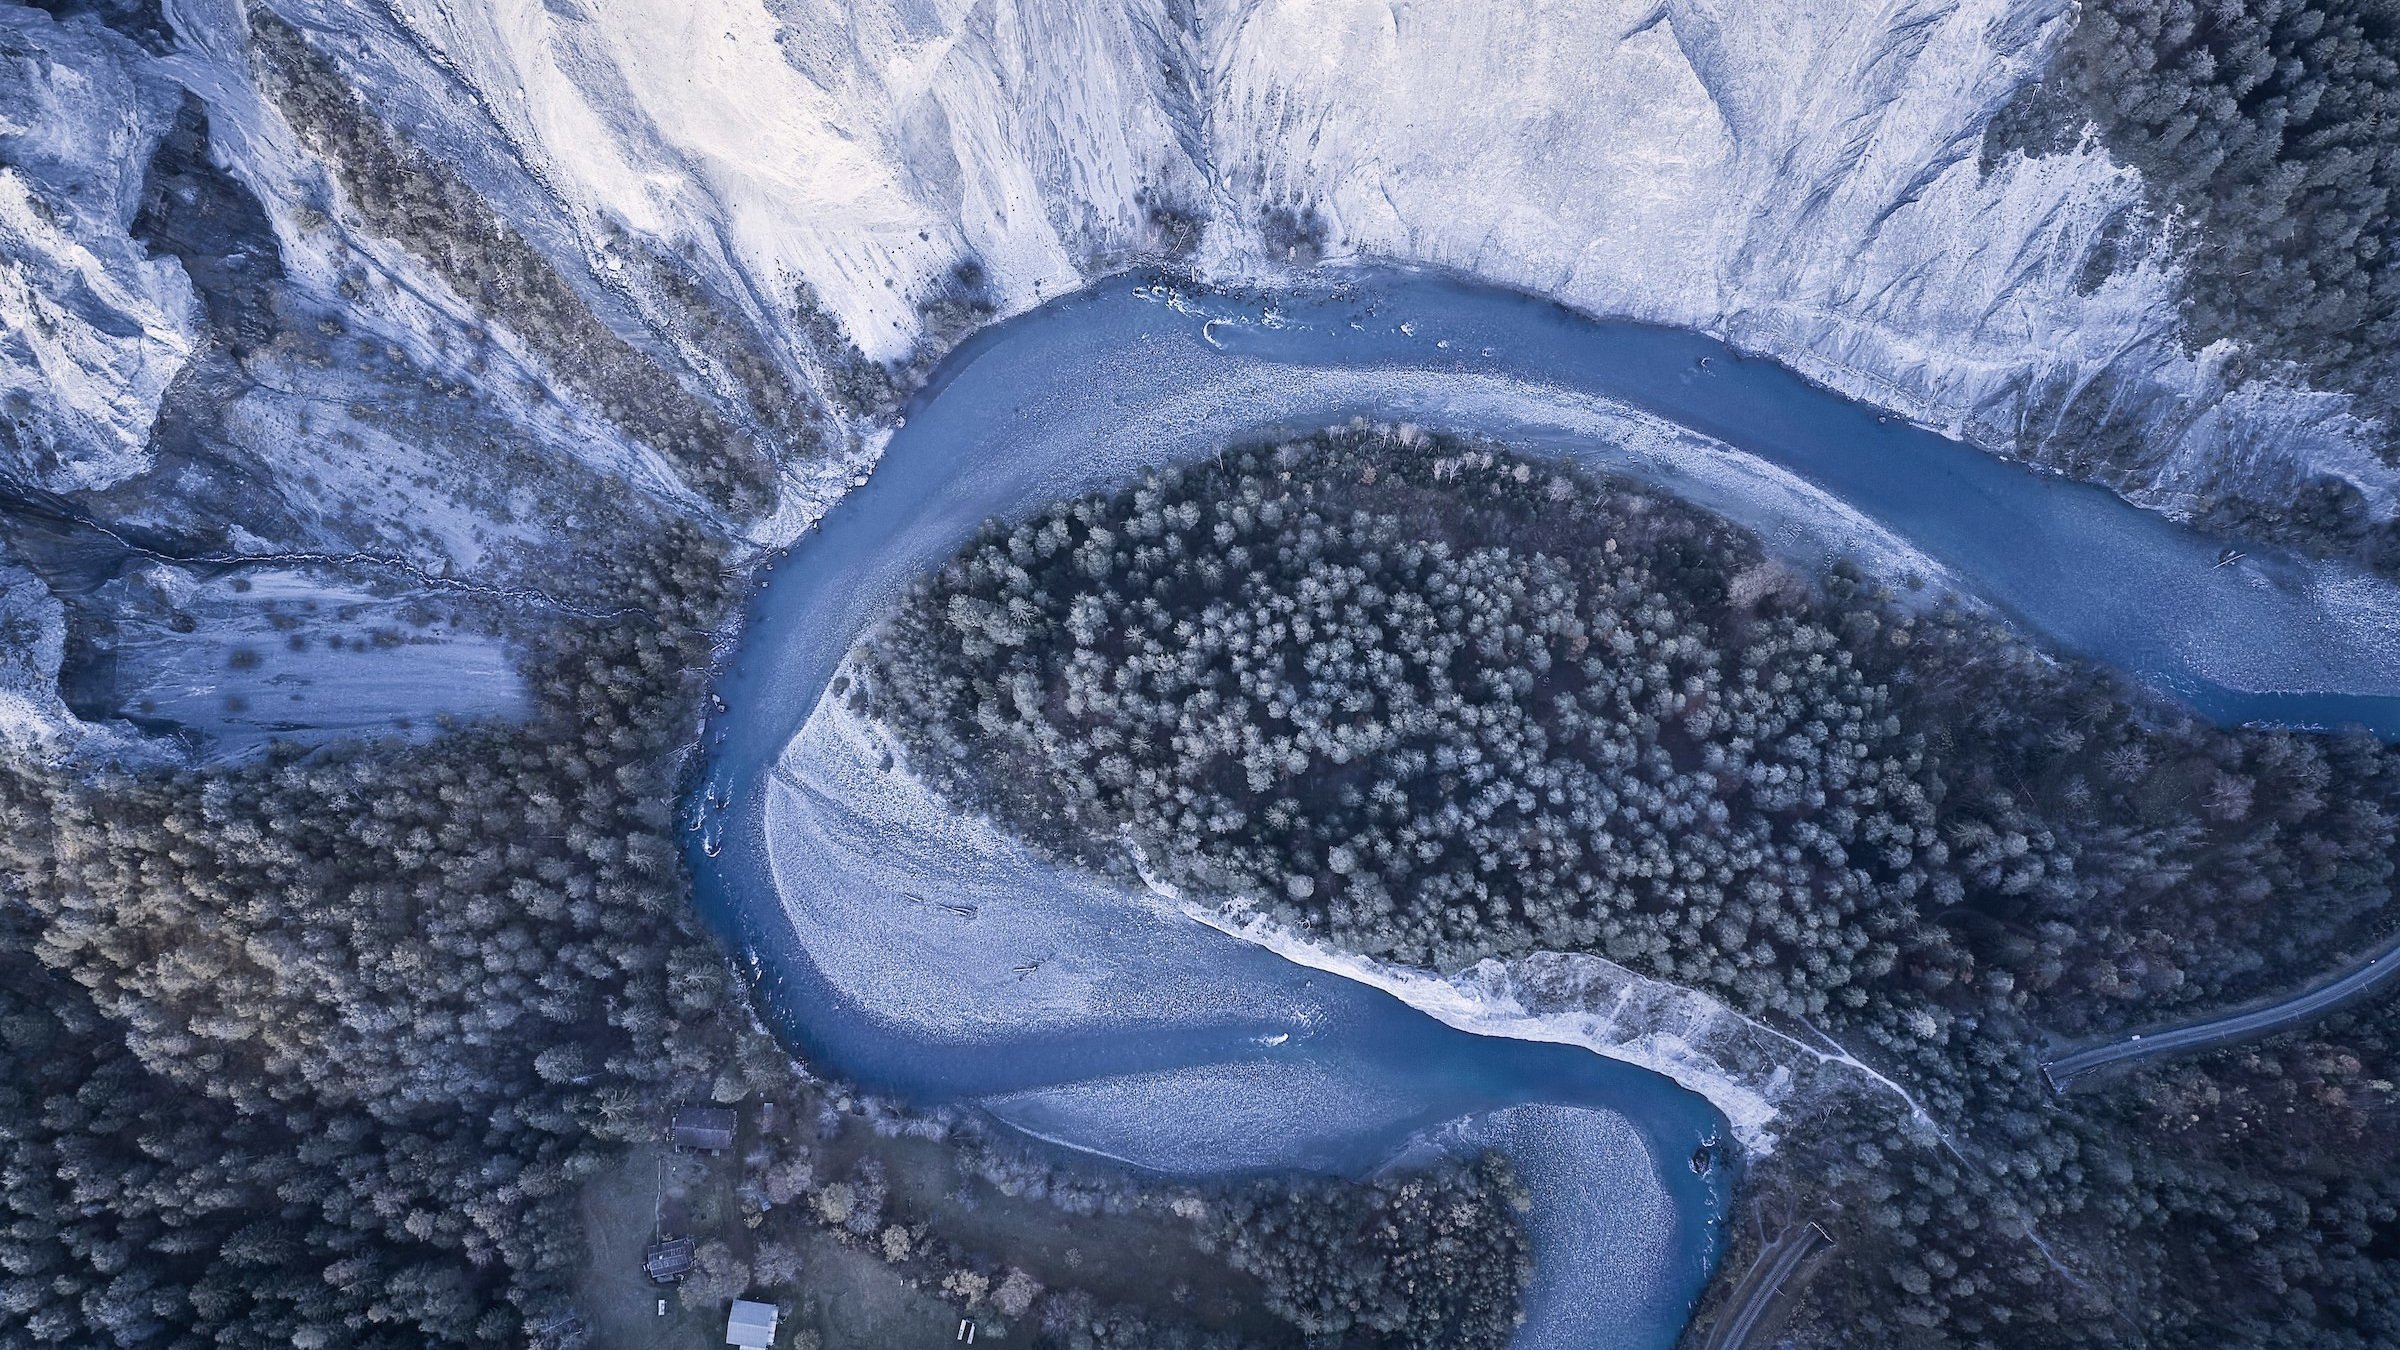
[
  {"x": 1763, "y": 1281},
  {"x": 2232, "y": 1026}
]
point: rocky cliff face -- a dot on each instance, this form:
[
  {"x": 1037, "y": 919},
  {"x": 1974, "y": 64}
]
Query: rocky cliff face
[
  {"x": 1804, "y": 178},
  {"x": 560, "y": 263},
  {"x": 92, "y": 328}
]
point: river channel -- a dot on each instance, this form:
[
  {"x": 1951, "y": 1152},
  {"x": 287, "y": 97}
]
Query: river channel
[{"x": 929, "y": 957}]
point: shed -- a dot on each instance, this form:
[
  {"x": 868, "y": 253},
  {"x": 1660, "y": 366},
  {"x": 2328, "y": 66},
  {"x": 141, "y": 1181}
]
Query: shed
[
  {"x": 750, "y": 1325},
  {"x": 704, "y": 1127},
  {"x": 670, "y": 1260}
]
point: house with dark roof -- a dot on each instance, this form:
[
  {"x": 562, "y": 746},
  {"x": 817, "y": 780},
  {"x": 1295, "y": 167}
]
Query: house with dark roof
[
  {"x": 670, "y": 1260},
  {"x": 702, "y": 1127}
]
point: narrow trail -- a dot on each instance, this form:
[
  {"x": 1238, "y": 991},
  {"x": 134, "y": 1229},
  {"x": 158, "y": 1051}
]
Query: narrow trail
[
  {"x": 1841, "y": 1056},
  {"x": 2205, "y": 1032}
]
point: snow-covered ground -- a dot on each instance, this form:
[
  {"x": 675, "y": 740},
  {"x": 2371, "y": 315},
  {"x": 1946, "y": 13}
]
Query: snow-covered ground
[
  {"x": 945, "y": 958},
  {"x": 1799, "y": 523},
  {"x": 945, "y": 926},
  {"x": 1743, "y": 1069},
  {"x": 33, "y": 640},
  {"x": 301, "y": 653},
  {"x": 1802, "y": 176},
  {"x": 92, "y": 330},
  {"x": 941, "y": 923}
]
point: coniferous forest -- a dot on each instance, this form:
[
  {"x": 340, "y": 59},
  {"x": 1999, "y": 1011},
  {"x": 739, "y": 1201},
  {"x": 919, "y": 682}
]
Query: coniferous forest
[
  {"x": 328, "y": 1050},
  {"x": 2263, "y": 134},
  {"x": 1439, "y": 702},
  {"x": 378, "y": 1043},
  {"x": 2269, "y": 122}
]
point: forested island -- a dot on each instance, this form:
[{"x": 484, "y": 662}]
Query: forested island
[{"x": 1438, "y": 701}]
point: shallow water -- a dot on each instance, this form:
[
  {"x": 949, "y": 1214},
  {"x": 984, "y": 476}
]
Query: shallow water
[
  {"x": 929, "y": 957},
  {"x": 932, "y": 957}
]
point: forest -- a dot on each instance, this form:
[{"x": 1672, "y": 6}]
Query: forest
[
  {"x": 335, "y": 1047},
  {"x": 2262, "y": 131},
  {"x": 1438, "y": 701},
  {"x": 328, "y": 1049},
  {"x": 2269, "y": 121},
  {"x": 405, "y": 194},
  {"x": 321, "y": 1050},
  {"x": 2261, "y": 134}
]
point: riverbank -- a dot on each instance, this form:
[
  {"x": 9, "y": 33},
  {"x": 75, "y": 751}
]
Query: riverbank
[
  {"x": 956, "y": 973},
  {"x": 931, "y": 956}
]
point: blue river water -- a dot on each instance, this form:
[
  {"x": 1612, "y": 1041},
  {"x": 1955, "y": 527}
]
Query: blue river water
[{"x": 1204, "y": 1055}]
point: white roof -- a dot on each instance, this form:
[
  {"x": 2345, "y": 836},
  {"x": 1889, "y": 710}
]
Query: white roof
[{"x": 750, "y": 1324}]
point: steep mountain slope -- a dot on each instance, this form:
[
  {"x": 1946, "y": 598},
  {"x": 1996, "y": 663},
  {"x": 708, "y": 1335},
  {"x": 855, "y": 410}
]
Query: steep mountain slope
[
  {"x": 552, "y": 247},
  {"x": 1804, "y": 178}
]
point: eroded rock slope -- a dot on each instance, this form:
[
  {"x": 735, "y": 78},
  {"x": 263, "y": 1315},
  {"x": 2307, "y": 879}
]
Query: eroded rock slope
[{"x": 425, "y": 298}]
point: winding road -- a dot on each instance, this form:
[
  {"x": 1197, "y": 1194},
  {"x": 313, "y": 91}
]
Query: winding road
[
  {"x": 2300, "y": 1007},
  {"x": 1756, "y": 1294}
]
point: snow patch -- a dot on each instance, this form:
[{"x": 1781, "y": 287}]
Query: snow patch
[
  {"x": 1587, "y": 1001},
  {"x": 34, "y": 720},
  {"x": 92, "y": 329}
]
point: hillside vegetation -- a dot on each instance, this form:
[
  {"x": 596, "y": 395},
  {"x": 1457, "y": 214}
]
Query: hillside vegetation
[
  {"x": 2263, "y": 133},
  {"x": 2270, "y": 121},
  {"x": 321, "y": 1051},
  {"x": 1437, "y": 702}
]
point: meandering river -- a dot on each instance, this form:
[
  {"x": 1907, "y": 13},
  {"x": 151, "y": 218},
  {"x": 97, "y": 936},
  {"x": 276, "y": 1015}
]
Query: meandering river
[{"x": 930, "y": 957}]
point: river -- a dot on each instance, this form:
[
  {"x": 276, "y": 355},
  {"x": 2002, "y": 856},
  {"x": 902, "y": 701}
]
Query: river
[{"x": 931, "y": 958}]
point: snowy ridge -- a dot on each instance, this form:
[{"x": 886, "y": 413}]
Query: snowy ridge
[
  {"x": 92, "y": 329},
  {"x": 1746, "y": 1069},
  {"x": 33, "y": 637},
  {"x": 34, "y": 720},
  {"x": 1802, "y": 178}
]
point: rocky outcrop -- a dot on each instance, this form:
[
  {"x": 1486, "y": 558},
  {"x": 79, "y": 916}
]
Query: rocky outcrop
[
  {"x": 475, "y": 286},
  {"x": 33, "y": 638},
  {"x": 1804, "y": 178},
  {"x": 92, "y": 328}
]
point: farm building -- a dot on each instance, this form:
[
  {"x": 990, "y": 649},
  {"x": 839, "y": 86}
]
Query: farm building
[
  {"x": 750, "y": 1325},
  {"x": 671, "y": 1260}
]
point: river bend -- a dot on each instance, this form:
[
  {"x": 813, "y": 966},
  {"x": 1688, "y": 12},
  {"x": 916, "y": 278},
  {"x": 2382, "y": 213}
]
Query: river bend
[{"x": 930, "y": 957}]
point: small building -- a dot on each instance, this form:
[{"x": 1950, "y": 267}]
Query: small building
[
  {"x": 670, "y": 1260},
  {"x": 702, "y": 1127},
  {"x": 750, "y": 1325}
]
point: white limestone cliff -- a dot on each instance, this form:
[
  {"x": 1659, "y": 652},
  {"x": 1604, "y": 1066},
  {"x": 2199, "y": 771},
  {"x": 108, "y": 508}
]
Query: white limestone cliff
[
  {"x": 1802, "y": 178},
  {"x": 92, "y": 330}
]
